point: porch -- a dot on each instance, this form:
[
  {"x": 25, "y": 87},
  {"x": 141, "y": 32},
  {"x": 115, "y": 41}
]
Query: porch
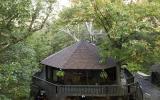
[{"x": 56, "y": 90}]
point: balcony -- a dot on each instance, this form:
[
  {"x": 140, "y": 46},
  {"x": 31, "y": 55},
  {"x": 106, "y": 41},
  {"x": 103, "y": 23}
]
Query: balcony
[
  {"x": 87, "y": 90},
  {"x": 130, "y": 89}
]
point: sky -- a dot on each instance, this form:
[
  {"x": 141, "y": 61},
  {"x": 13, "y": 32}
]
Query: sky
[
  {"x": 60, "y": 5},
  {"x": 63, "y": 3}
]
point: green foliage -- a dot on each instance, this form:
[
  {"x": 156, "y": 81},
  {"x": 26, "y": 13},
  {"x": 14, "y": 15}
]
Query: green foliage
[
  {"x": 13, "y": 15},
  {"x": 131, "y": 29},
  {"x": 61, "y": 41},
  {"x": 130, "y": 34},
  {"x": 17, "y": 66},
  {"x": 77, "y": 14},
  {"x": 60, "y": 73},
  {"x": 41, "y": 43},
  {"x": 19, "y": 59},
  {"x": 19, "y": 19}
]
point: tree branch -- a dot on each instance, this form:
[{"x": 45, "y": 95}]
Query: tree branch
[
  {"x": 4, "y": 46},
  {"x": 30, "y": 29},
  {"x": 10, "y": 20},
  {"x": 69, "y": 33},
  {"x": 45, "y": 19},
  {"x": 97, "y": 11}
]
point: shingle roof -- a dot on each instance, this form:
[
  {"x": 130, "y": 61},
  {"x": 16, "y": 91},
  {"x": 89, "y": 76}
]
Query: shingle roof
[{"x": 81, "y": 55}]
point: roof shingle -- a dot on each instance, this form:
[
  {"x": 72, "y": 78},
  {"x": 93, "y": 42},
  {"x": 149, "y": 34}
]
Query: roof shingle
[{"x": 81, "y": 55}]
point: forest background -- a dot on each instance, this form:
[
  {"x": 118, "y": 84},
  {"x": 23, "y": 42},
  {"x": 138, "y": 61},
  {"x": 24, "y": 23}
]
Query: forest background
[{"x": 30, "y": 30}]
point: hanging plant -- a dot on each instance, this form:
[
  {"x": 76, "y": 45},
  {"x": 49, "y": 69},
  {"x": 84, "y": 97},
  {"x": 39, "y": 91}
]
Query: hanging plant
[
  {"x": 60, "y": 73},
  {"x": 103, "y": 74}
]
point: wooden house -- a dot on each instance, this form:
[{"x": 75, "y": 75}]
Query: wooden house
[{"x": 75, "y": 73}]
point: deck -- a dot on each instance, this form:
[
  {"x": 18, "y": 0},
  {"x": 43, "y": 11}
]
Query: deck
[
  {"x": 59, "y": 90},
  {"x": 88, "y": 90},
  {"x": 54, "y": 90}
]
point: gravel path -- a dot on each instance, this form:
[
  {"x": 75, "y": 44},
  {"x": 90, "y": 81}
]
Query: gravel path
[{"x": 150, "y": 91}]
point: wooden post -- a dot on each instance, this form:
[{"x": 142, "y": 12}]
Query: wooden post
[
  {"x": 46, "y": 67},
  {"x": 118, "y": 75},
  {"x": 87, "y": 77}
]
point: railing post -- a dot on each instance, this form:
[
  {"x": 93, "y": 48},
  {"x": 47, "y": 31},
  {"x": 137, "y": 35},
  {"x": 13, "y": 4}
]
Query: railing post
[{"x": 56, "y": 90}]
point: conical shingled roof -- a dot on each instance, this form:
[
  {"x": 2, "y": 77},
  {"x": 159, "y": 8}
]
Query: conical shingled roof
[{"x": 81, "y": 55}]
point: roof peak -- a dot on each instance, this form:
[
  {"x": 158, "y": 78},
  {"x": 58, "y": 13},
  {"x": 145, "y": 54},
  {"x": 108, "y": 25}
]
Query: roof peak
[{"x": 80, "y": 55}]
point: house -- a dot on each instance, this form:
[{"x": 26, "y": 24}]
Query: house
[{"x": 75, "y": 73}]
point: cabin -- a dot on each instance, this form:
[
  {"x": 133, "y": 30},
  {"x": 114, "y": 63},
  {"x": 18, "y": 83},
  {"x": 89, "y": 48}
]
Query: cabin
[{"x": 75, "y": 73}]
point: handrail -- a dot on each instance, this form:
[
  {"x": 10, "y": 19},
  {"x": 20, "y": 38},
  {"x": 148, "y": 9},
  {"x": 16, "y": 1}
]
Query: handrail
[
  {"x": 88, "y": 90},
  {"x": 35, "y": 77},
  {"x": 78, "y": 85}
]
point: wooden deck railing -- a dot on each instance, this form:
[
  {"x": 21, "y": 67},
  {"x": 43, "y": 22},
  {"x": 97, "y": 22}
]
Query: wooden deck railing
[
  {"x": 131, "y": 89},
  {"x": 96, "y": 90},
  {"x": 87, "y": 90}
]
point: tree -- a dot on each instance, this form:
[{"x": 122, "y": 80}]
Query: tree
[
  {"x": 20, "y": 19},
  {"x": 17, "y": 65},
  {"x": 19, "y": 60},
  {"x": 131, "y": 33},
  {"x": 130, "y": 29}
]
